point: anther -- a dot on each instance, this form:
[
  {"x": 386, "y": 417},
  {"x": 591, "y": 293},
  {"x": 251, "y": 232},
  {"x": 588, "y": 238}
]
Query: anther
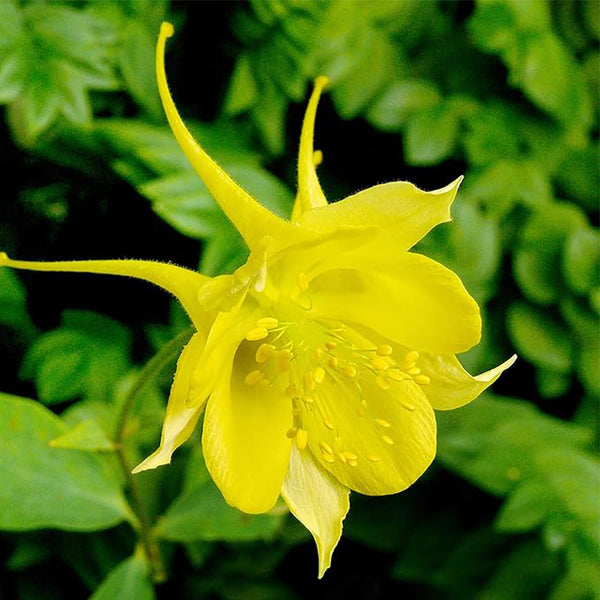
[
  {"x": 408, "y": 405},
  {"x": 373, "y": 457},
  {"x": 283, "y": 360},
  {"x": 342, "y": 457},
  {"x": 257, "y": 333},
  {"x": 309, "y": 381},
  {"x": 301, "y": 439},
  {"x": 382, "y": 382},
  {"x": 328, "y": 458},
  {"x": 291, "y": 433},
  {"x": 328, "y": 424},
  {"x": 395, "y": 375},
  {"x": 302, "y": 281},
  {"x": 291, "y": 391},
  {"x": 326, "y": 448},
  {"x": 383, "y": 423},
  {"x": 388, "y": 440},
  {"x": 307, "y": 399},
  {"x": 296, "y": 412},
  {"x": 267, "y": 322},
  {"x": 412, "y": 356},
  {"x": 350, "y": 371},
  {"x": 414, "y": 371},
  {"x": 422, "y": 379},
  {"x": 350, "y": 456},
  {"x": 330, "y": 345},
  {"x": 333, "y": 362},
  {"x": 253, "y": 377},
  {"x": 379, "y": 364},
  {"x": 319, "y": 353},
  {"x": 384, "y": 350},
  {"x": 319, "y": 375},
  {"x": 264, "y": 352}
]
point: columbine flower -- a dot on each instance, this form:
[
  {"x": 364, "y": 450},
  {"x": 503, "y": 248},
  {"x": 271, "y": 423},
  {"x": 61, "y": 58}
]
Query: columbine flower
[{"x": 320, "y": 361}]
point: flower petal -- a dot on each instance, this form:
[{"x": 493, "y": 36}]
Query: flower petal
[
  {"x": 251, "y": 219},
  {"x": 184, "y": 284},
  {"x": 451, "y": 386},
  {"x": 180, "y": 420},
  {"x": 318, "y": 501},
  {"x": 399, "y": 208},
  {"x": 244, "y": 442},
  {"x": 405, "y": 297},
  {"x": 374, "y": 441},
  {"x": 310, "y": 194}
]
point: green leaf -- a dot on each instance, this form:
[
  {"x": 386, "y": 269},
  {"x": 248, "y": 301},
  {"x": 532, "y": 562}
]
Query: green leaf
[
  {"x": 13, "y": 308},
  {"x": 45, "y": 487},
  {"x": 581, "y": 260},
  {"x": 527, "y": 507},
  {"x": 399, "y": 100},
  {"x": 540, "y": 338},
  {"x": 84, "y": 357},
  {"x": 202, "y": 514},
  {"x": 87, "y": 435},
  {"x": 431, "y": 135},
  {"x": 127, "y": 581},
  {"x": 243, "y": 91}
]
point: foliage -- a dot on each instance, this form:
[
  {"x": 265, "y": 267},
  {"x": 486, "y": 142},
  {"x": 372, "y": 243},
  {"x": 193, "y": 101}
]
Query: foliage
[{"x": 504, "y": 91}]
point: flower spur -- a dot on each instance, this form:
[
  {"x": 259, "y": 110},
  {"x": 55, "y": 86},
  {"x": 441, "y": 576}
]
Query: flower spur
[{"x": 319, "y": 363}]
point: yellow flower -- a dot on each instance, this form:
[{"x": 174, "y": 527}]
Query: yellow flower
[{"x": 320, "y": 361}]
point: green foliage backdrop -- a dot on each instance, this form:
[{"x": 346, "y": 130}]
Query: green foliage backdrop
[{"x": 504, "y": 91}]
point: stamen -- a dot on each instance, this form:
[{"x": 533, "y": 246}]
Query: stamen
[
  {"x": 342, "y": 457},
  {"x": 291, "y": 433},
  {"x": 395, "y": 375},
  {"x": 257, "y": 333},
  {"x": 328, "y": 424},
  {"x": 379, "y": 364},
  {"x": 350, "y": 456},
  {"x": 350, "y": 371},
  {"x": 373, "y": 457},
  {"x": 268, "y": 322},
  {"x": 412, "y": 356},
  {"x": 384, "y": 350},
  {"x": 291, "y": 391},
  {"x": 330, "y": 345},
  {"x": 333, "y": 362},
  {"x": 319, "y": 375},
  {"x": 422, "y": 379},
  {"x": 382, "y": 382},
  {"x": 325, "y": 447},
  {"x": 414, "y": 371},
  {"x": 283, "y": 360},
  {"x": 264, "y": 352},
  {"x": 302, "y": 281},
  {"x": 253, "y": 377},
  {"x": 388, "y": 440},
  {"x": 309, "y": 381},
  {"x": 328, "y": 458},
  {"x": 383, "y": 423},
  {"x": 301, "y": 439}
]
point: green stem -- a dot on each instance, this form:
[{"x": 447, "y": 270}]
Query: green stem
[{"x": 150, "y": 370}]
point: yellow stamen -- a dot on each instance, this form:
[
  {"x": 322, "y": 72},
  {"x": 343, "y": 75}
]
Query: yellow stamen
[
  {"x": 379, "y": 364},
  {"x": 291, "y": 391},
  {"x": 319, "y": 375},
  {"x": 330, "y": 345},
  {"x": 350, "y": 456},
  {"x": 264, "y": 352},
  {"x": 328, "y": 424},
  {"x": 412, "y": 356},
  {"x": 301, "y": 439},
  {"x": 328, "y": 458},
  {"x": 291, "y": 432},
  {"x": 373, "y": 457},
  {"x": 307, "y": 399},
  {"x": 342, "y": 457},
  {"x": 333, "y": 362},
  {"x": 383, "y": 423},
  {"x": 283, "y": 360},
  {"x": 257, "y": 333},
  {"x": 384, "y": 350},
  {"x": 325, "y": 447},
  {"x": 267, "y": 322},
  {"x": 350, "y": 371},
  {"x": 253, "y": 377},
  {"x": 388, "y": 440},
  {"x": 319, "y": 353},
  {"x": 309, "y": 381},
  {"x": 422, "y": 379},
  {"x": 382, "y": 382},
  {"x": 414, "y": 371},
  {"x": 395, "y": 375}
]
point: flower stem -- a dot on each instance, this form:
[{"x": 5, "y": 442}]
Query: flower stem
[{"x": 144, "y": 530}]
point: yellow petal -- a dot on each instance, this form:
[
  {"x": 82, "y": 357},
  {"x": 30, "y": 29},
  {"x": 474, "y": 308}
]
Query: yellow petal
[
  {"x": 180, "y": 420},
  {"x": 451, "y": 386},
  {"x": 244, "y": 442},
  {"x": 251, "y": 219},
  {"x": 318, "y": 501},
  {"x": 310, "y": 194},
  {"x": 400, "y": 209},
  {"x": 184, "y": 284},
  {"x": 382, "y": 440},
  {"x": 405, "y": 297}
]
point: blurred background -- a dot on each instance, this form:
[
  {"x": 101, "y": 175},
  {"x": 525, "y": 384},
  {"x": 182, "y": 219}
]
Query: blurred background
[{"x": 502, "y": 91}]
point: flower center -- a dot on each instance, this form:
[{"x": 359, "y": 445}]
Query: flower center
[{"x": 325, "y": 362}]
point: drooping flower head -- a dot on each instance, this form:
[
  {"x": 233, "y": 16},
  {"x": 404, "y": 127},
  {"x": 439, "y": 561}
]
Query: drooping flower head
[{"x": 319, "y": 362}]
